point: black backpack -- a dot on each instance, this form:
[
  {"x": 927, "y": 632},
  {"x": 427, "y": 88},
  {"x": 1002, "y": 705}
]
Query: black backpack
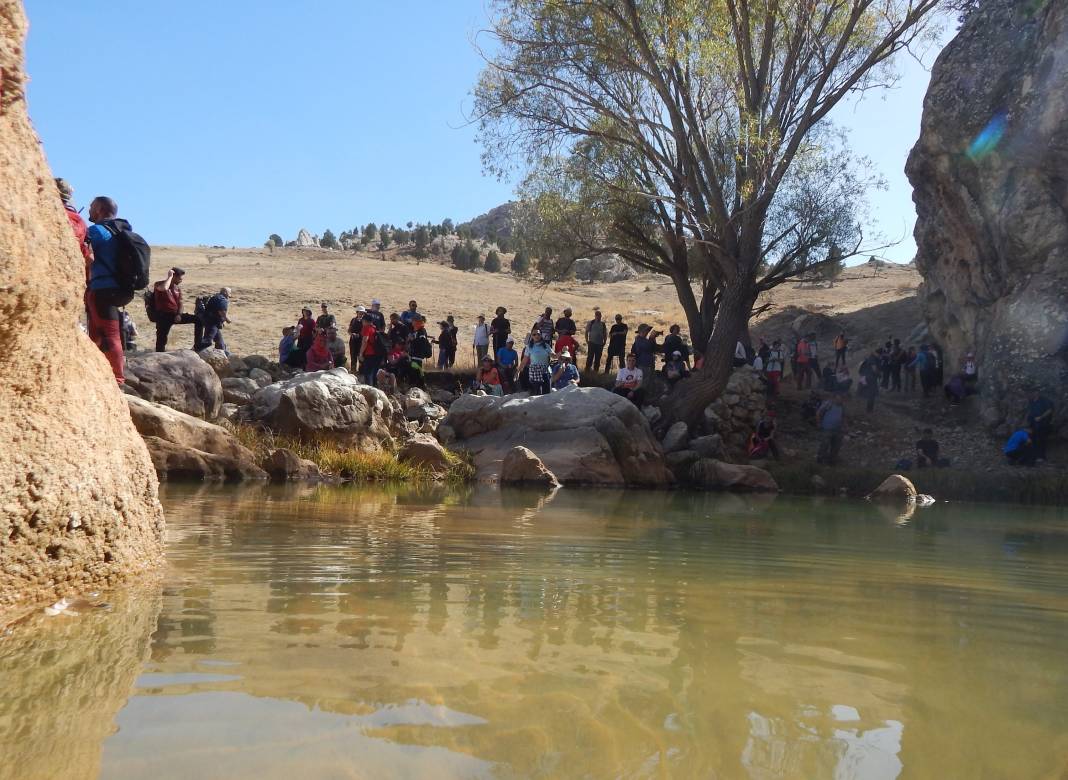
[
  {"x": 150, "y": 305},
  {"x": 200, "y": 307},
  {"x": 421, "y": 346},
  {"x": 132, "y": 258}
]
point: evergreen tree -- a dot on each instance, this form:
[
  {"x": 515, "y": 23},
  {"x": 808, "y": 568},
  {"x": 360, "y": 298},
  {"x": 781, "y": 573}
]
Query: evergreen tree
[
  {"x": 384, "y": 237},
  {"x": 493, "y": 262},
  {"x": 520, "y": 264},
  {"x": 277, "y": 239},
  {"x": 422, "y": 239},
  {"x": 370, "y": 230},
  {"x": 446, "y": 226},
  {"x": 329, "y": 240}
]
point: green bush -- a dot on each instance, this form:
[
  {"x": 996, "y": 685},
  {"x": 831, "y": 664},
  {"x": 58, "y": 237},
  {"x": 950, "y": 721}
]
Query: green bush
[{"x": 493, "y": 262}]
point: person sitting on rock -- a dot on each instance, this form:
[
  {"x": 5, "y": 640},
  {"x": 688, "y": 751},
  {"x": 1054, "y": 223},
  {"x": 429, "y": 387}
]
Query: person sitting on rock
[
  {"x": 762, "y": 439},
  {"x": 507, "y": 362},
  {"x": 305, "y": 332},
  {"x": 488, "y": 379},
  {"x": 336, "y": 346},
  {"x": 318, "y": 357},
  {"x": 629, "y": 381},
  {"x": 927, "y": 451},
  {"x": 287, "y": 344},
  {"x": 566, "y": 372},
  {"x": 675, "y": 368},
  {"x": 1020, "y": 448}
]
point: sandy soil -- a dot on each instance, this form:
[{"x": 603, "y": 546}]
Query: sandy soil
[{"x": 269, "y": 290}]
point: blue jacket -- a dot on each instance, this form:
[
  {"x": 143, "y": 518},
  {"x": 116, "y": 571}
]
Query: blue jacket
[{"x": 102, "y": 269}]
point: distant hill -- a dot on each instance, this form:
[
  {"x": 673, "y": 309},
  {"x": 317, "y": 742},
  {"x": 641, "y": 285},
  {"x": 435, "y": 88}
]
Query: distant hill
[{"x": 497, "y": 221}]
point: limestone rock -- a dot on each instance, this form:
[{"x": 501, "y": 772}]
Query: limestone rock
[
  {"x": 894, "y": 488},
  {"x": 185, "y": 447},
  {"x": 70, "y": 449},
  {"x": 717, "y": 475},
  {"x": 584, "y": 435},
  {"x": 227, "y": 411},
  {"x": 522, "y": 467},
  {"x": 304, "y": 238},
  {"x": 424, "y": 450},
  {"x": 676, "y": 437},
  {"x": 603, "y": 268},
  {"x": 218, "y": 361},
  {"x": 238, "y": 367},
  {"x": 241, "y": 384},
  {"x": 710, "y": 446},
  {"x": 992, "y": 206},
  {"x": 285, "y": 465},
  {"x": 257, "y": 361},
  {"x": 325, "y": 403},
  {"x": 680, "y": 461},
  {"x": 261, "y": 377},
  {"x": 178, "y": 379}
]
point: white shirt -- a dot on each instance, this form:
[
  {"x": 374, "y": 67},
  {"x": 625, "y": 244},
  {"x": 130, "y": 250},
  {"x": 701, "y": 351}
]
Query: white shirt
[
  {"x": 628, "y": 376},
  {"x": 775, "y": 359},
  {"x": 758, "y": 363},
  {"x": 739, "y": 352},
  {"x": 481, "y": 335}
]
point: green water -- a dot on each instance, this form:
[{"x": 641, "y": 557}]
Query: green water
[{"x": 326, "y": 632}]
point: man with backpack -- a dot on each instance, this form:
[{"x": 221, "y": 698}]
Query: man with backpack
[
  {"x": 215, "y": 317},
  {"x": 163, "y": 305},
  {"x": 118, "y": 269}
]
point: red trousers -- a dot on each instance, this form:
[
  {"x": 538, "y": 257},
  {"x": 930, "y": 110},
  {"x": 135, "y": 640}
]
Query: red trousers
[{"x": 102, "y": 307}]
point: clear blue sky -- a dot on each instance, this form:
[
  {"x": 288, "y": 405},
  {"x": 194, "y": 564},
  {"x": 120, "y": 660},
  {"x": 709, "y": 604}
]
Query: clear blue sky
[{"x": 222, "y": 122}]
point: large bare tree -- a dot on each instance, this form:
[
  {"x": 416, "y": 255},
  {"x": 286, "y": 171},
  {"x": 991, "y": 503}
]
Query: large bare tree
[{"x": 699, "y": 128}]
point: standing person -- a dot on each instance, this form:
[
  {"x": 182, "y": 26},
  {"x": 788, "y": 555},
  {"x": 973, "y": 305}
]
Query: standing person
[
  {"x": 77, "y": 224},
  {"x": 841, "y": 346},
  {"x": 167, "y": 302},
  {"x": 104, "y": 294},
  {"x": 216, "y": 316},
  {"x": 831, "y": 419},
  {"x": 814, "y": 356},
  {"x": 566, "y": 341},
  {"x": 355, "y": 337},
  {"x": 481, "y": 340},
  {"x": 644, "y": 350},
  {"x": 673, "y": 343},
  {"x": 376, "y": 316},
  {"x": 629, "y": 380},
  {"x": 897, "y": 362},
  {"x": 500, "y": 329},
  {"x": 545, "y": 326},
  {"x": 596, "y": 337},
  {"x": 927, "y": 370},
  {"x": 507, "y": 362},
  {"x": 536, "y": 364},
  {"x": 617, "y": 343},
  {"x": 801, "y": 369},
  {"x": 454, "y": 335},
  {"x": 773, "y": 368},
  {"x": 373, "y": 350},
  {"x": 446, "y": 345},
  {"x": 419, "y": 348},
  {"x": 869, "y": 380},
  {"x": 908, "y": 363},
  {"x": 741, "y": 357},
  {"x": 408, "y": 316},
  {"x": 566, "y": 324},
  {"x": 1040, "y": 421},
  {"x": 325, "y": 320},
  {"x": 398, "y": 329}
]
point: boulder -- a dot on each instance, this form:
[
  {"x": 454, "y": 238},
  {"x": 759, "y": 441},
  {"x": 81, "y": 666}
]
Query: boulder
[
  {"x": 241, "y": 384},
  {"x": 894, "y": 489},
  {"x": 717, "y": 475},
  {"x": 331, "y": 404},
  {"x": 186, "y": 447},
  {"x": 584, "y": 435},
  {"x": 238, "y": 367},
  {"x": 261, "y": 377},
  {"x": 304, "y": 238},
  {"x": 680, "y": 462},
  {"x": 522, "y": 467},
  {"x": 178, "y": 379},
  {"x": 78, "y": 495},
  {"x": 991, "y": 203},
  {"x": 257, "y": 361},
  {"x": 218, "y": 361},
  {"x": 285, "y": 465},
  {"x": 710, "y": 446},
  {"x": 676, "y": 437},
  {"x": 603, "y": 268},
  {"x": 227, "y": 411},
  {"x": 424, "y": 450}
]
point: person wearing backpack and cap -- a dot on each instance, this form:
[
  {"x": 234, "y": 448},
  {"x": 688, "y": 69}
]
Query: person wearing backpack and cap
[
  {"x": 566, "y": 372},
  {"x": 107, "y": 291},
  {"x": 216, "y": 315},
  {"x": 166, "y": 297}
]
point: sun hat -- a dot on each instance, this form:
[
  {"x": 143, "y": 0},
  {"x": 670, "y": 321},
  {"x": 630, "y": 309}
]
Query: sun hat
[{"x": 361, "y": 308}]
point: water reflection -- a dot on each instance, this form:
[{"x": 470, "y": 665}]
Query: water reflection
[{"x": 324, "y": 631}]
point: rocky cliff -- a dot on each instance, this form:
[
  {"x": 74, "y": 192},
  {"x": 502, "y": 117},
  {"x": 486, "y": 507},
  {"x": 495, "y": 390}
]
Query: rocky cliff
[
  {"x": 990, "y": 173},
  {"x": 78, "y": 505}
]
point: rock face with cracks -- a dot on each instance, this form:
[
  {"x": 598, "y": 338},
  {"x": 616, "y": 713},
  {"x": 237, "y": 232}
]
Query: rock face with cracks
[
  {"x": 583, "y": 435},
  {"x": 178, "y": 379},
  {"x": 990, "y": 178},
  {"x": 78, "y": 494}
]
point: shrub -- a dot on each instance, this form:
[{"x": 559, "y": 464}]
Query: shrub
[
  {"x": 329, "y": 240},
  {"x": 277, "y": 239},
  {"x": 493, "y": 262},
  {"x": 520, "y": 264}
]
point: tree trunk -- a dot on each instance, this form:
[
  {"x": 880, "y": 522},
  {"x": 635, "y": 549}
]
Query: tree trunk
[
  {"x": 694, "y": 320},
  {"x": 687, "y": 400}
]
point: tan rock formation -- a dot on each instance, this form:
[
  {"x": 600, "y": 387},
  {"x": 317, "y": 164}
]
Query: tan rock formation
[
  {"x": 991, "y": 194},
  {"x": 78, "y": 504}
]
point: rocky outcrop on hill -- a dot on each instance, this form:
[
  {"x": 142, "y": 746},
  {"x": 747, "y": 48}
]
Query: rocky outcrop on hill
[
  {"x": 179, "y": 379},
  {"x": 583, "y": 435},
  {"x": 304, "y": 238},
  {"x": 603, "y": 268},
  {"x": 78, "y": 505},
  {"x": 990, "y": 173},
  {"x": 495, "y": 222},
  {"x": 331, "y": 404}
]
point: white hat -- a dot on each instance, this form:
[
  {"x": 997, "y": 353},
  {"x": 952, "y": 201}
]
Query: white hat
[
  {"x": 676, "y": 353},
  {"x": 361, "y": 308},
  {"x": 565, "y": 354},
  {"x": 509, "y": 340}
]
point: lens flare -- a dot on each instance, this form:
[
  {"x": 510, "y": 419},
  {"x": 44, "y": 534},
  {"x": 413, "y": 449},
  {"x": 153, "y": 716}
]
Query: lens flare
[{"x": 988, "y": 139}]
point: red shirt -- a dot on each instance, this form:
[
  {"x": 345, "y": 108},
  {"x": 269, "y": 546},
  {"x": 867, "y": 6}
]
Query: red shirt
[
  {"x": 370, "y": 343},
  {"x": 566, "y": 342},
  {"x": 168, "y": 301}
]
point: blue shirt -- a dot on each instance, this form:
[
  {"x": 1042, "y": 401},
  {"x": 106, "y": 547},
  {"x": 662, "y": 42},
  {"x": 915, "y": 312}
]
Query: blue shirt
[
  {"x": 1016, "y": 441},
  {"x": 507, "y": 357},
  {"x": 408, "y": 315},
  {"x": 285, "y": 346},
  {"x": 833, "y": 415},
  {"x": 101, "y": 270},
  {"x": 539, "y": 354},
  {"x": 570, "y": 373}
]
